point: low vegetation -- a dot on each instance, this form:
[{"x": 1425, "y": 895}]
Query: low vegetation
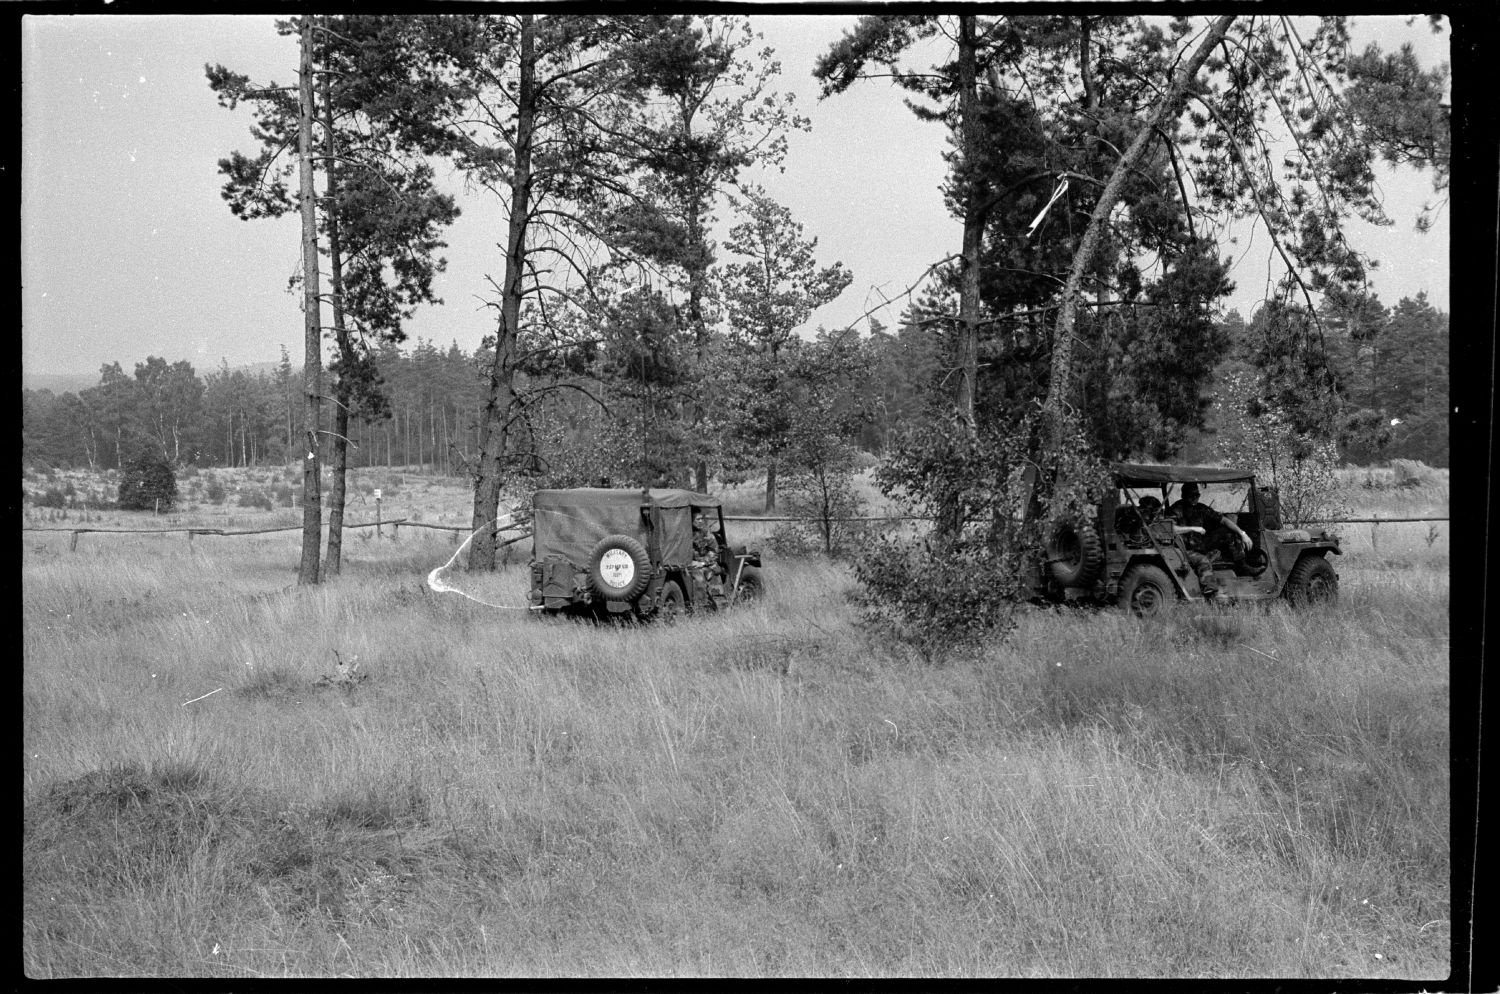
[{"x": 227, "y": 776}]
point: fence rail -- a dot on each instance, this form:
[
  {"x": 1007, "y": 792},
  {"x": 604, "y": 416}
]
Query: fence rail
[
  {"x": 397, "y": 523},
  {"x": 193, "y": 531}
]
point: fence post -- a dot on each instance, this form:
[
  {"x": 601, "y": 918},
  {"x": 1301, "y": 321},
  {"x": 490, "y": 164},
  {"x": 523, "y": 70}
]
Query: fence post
[
  {"x": 73, "y": 545},
  {"x": 1374, "y": 533}
]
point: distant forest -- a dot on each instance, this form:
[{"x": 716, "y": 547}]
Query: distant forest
[{"x": 1390, "y": 366}]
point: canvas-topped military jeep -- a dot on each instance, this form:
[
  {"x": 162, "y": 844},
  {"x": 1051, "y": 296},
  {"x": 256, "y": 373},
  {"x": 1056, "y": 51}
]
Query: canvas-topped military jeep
[
  {"x": 635, "y": 554},
  {"x": 1146, "y": 559}
]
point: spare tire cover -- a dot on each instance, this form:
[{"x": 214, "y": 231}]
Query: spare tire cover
[{"x": 619, "y": 568}]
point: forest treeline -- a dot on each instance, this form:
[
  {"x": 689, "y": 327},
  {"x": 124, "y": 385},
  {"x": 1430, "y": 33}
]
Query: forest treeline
[{"x": 1391, "y": 365}]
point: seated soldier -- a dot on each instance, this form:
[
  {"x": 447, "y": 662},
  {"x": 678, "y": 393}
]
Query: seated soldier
[
  {"x": 1131, "y": 523},
  {"x": 706, "y": 556},
  {"x": 1212, "y": 534},
  {"x": 705, "y": 546}
]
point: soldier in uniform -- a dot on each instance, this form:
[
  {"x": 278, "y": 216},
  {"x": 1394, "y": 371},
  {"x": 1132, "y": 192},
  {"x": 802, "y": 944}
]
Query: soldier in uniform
[
  {"x": 706, "y": 557},
  {"x": 1210, "y": 535}
]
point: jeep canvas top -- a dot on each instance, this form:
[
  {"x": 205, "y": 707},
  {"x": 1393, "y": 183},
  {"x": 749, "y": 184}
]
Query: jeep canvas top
[{"x": 635, "y": 553}]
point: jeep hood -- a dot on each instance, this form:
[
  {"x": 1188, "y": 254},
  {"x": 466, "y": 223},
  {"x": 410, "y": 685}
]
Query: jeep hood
[{"x": 1129, "y": 474}]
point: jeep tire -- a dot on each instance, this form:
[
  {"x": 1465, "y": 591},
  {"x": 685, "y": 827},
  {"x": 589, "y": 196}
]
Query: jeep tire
[
  {"x": 1312, "y": 581},
  {"x": 1146, "y": 591},
  {"x": 1075, "y": 556},
  {"x": 752, "y": 588},
  {"x": 619, "y": 568},
  {"x": 673, "y": 604}
]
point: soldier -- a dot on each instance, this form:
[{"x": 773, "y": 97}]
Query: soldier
[
  {"x": 706, "y": 557},
  {"x": 1208, "y": 534},
  {"x": 1190, "y": 511},
  {"x": 705, "y": 546}
]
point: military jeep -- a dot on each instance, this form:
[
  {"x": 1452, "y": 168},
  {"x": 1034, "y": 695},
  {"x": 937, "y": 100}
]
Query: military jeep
[
  {"x": 1122, "y": 556},
  {"x": 630, "y": 554}
]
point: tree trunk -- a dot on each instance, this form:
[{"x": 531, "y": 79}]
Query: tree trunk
[
  {"x": 500, "y": 396},
  {"x": 312, "y": 368},
  {"x": 1060, "y": 383},
  {"x": 771, "y": 485},
  {"x": 968, "y": 301},
  {"x": 697, "y": 274},
  {"x": 949, "y": 514},
  {"x": 447, "y": 444},
  {"x": 337, "y": 486}
]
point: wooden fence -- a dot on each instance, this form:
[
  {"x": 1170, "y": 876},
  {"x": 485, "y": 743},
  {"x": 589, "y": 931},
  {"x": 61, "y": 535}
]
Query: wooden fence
[
  {"x": 396, "y": 523},
  {"x": 194, "y": 531}
]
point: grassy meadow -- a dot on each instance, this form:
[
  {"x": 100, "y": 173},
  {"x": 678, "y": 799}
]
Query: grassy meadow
[{"x": 775, "y": 791}]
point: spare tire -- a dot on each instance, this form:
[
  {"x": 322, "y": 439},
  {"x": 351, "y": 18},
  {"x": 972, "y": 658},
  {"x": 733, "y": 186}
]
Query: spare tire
[
  {"x": 619, "y": 568},
  {"x": 1075, "y": 556}
]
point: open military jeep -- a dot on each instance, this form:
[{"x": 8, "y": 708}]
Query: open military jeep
[
  {"x": 632, "y": 554},
  {"x": 1125, "y": 557}
]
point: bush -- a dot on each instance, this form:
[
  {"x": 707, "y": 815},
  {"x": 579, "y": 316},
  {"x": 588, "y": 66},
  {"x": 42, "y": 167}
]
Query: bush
[
  {"x": 148, "y": 484},
  {"x": 214, "y": 491},
  {"x": 940, "y": 601},
  {"x": 961, "y": 590},
  {"x": 283, "y": 495},
  {"x": 257, "y": 499},
  {"x": 821, "y": 491},
  {"x": 1411, "y": 473},
  {"x": 52, "y": 497}
]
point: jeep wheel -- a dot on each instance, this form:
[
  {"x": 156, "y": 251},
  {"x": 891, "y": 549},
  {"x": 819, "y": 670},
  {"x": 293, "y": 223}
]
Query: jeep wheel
[
  {"x": 1313, "y": 581},
  {"x": 1146, "y": 591},
  {"x": 619, "y": 568},
  {"x": 672, "y": 605},
  {"x": 751, "y": 586},
  {"x": 1075, "y": 556}
]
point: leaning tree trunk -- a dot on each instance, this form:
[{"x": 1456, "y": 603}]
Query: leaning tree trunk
[
  {"x": 1060, "y": 384},
  {"x": 500, "y": 396},
  {"x": 312, "y": 369}
]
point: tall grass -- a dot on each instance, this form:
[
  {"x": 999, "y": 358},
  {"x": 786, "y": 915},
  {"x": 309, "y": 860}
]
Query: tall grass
[{"x": 772, "y": 791}]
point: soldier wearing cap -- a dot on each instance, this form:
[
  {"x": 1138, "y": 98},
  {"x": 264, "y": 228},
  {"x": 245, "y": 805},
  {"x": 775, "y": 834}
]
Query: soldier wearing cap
[{"x": 1210, "y": 536}]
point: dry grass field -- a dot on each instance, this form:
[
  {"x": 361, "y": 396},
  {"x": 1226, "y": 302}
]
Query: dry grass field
[{"x": 775, "y": 791}]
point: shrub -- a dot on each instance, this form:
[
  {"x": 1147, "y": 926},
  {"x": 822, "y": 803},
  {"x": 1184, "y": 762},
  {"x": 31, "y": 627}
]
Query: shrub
[
  {"x": 939, "y": 601},
  {"x": 961, "y": 590},
  {"x": 257, "y": 499},
  {"x": 820, "y": 489},
  {"x": 1411, "y": 473},
  {"x": 52, "y": 497},
  {"x": 148, "y": 484},
  {"x": 283, "y": 495},
  {"x": 214, "y": 490}
]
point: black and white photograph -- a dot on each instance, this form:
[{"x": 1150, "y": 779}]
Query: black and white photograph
[{"x": 694, "y": 491}]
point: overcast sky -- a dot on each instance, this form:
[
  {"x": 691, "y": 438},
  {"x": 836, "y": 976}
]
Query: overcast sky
[{"x": 128, "y": 249}]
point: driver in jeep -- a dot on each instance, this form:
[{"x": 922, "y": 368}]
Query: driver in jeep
[{"x": 1214, "y": 533}]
